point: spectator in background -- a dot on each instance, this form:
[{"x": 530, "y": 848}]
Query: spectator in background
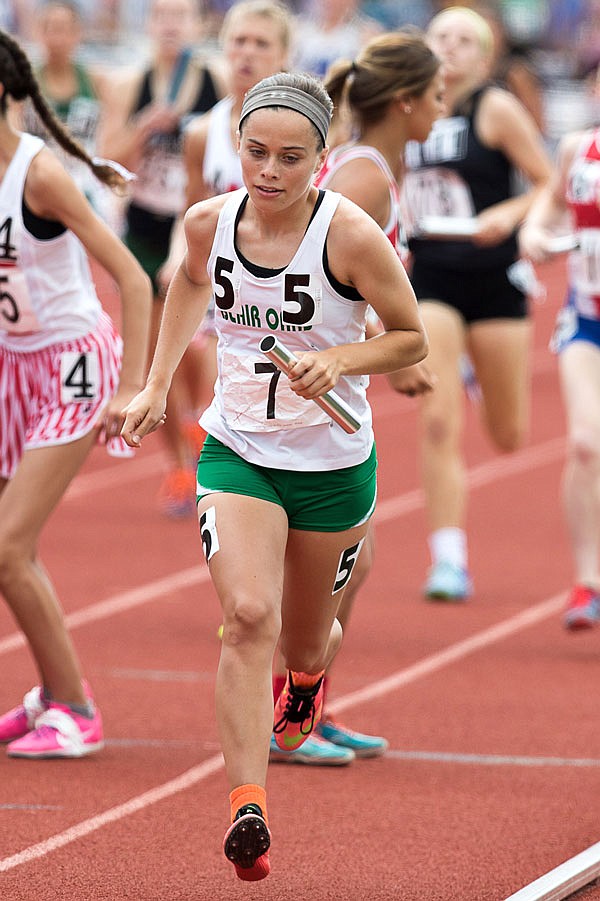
[
  {"x": 144, "y": 131},
  {"x": 74, "y": 92}
]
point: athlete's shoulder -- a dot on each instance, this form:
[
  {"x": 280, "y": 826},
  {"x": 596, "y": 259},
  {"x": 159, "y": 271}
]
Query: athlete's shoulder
[
  {"x": 351, "y": 228},
  {"x": 46, "y": 174},
  {"x": 121, "y": 90},
  {"x": 498, "y": 102},
  {"x": 202, "y": 217},
  {"x": 575, "y": 144}
]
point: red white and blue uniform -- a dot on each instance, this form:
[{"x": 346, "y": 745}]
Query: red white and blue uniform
[
  {"x": 583, "y": 197},
  {"x": 579, "y": 319}
]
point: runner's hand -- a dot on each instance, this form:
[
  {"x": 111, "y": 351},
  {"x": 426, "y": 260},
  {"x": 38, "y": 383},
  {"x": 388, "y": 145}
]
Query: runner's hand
[
  {"x": 534, "y": 243},
  {"x": 143, "y": 415},
  {"x": 315, "y": 373}
]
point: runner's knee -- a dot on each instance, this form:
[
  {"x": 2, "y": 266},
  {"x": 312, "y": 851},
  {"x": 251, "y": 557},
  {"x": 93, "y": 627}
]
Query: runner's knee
[
  {"x": 251, "y": 619},
  {"x": 584, "y": 448}
]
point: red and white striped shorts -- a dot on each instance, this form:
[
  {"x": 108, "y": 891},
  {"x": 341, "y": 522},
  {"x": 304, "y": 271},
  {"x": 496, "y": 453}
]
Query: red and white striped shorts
[{"x": 55, "y": 395}]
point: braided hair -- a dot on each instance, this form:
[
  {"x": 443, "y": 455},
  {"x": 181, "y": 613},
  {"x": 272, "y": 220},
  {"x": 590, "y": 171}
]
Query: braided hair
[{"x": 17, "y": 76}]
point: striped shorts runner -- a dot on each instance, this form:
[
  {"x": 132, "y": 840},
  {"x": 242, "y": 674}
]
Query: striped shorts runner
[{"x": 55, "y": 395}]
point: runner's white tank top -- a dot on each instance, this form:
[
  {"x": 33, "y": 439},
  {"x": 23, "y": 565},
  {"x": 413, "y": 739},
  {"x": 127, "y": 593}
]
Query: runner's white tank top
[
  {"x": 254, "y": 410},
  {"x": 348, "y": 152},
  {"x": 46, "y": 289},
  {"x": 221, "y": 168}
]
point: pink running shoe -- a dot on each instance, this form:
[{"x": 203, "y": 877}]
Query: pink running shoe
[
  {"x": 21, "y": 720},
  {"x": 583, "y": 608},
  {"x": 59, "y": 732},
  {"x": 297, "y": 712},
  {"x": 246, "y": 844}
]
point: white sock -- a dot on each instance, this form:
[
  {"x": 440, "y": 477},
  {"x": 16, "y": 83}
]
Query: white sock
[{"x": 449, "y": 544}]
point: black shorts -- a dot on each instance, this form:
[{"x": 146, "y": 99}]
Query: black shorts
[{"x": 475, "y": 295}]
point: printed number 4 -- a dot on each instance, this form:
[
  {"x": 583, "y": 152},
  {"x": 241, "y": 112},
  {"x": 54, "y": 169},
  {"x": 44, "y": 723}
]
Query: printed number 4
[{"x": 79, "y": 377}]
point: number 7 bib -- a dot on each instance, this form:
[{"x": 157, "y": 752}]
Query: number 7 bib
[{"x": 257, "y": 397}]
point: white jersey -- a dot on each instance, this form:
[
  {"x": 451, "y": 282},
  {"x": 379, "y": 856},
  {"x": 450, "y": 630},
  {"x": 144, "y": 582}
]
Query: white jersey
[
  {"x": 221, "y": 168},
  {"x": 46, "y": 290},
  {"x": 338, "y": 158},
  {"x": 254, "y": 411}
]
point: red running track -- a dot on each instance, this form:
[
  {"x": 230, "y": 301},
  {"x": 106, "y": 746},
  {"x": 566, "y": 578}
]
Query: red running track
[{"x": 493, "y": 771}]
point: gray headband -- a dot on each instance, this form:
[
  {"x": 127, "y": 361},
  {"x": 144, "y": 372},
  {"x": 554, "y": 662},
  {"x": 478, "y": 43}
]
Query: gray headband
[{"x": 290, "y": 98}]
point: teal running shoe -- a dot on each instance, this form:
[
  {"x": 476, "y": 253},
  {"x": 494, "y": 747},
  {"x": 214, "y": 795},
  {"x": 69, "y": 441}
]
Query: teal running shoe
[
  {"x": 447, "y": 582},
  {"x": 314, "y": 751},
  {"x": 342, "y": 737}
]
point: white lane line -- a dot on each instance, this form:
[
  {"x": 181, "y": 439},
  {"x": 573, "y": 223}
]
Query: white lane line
[
  {"x": 478, "y": 476},
  {"x": 30, "y": 807},
  {"x": 113, "y": 814},
  {"x": 563, "y": 880},
  {"x": 213, "y": 764},
  {"x": 124, "y": 600},
  {"x": 161, "y": 675},
  {"x": 494, "y": 759},
  {"x": 450, "y": 654},
  {"x": 484, "y": 474},
  {"x": 120, "y": 473}
]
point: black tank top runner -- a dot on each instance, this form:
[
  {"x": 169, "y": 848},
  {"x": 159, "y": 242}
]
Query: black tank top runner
[
  {"x": 151, "y": 226},
  {"x": 489, "y": 176}
]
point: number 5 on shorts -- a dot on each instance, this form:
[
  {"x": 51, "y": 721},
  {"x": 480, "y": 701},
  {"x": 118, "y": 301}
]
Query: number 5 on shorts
[{"x": 346, "y": 565}]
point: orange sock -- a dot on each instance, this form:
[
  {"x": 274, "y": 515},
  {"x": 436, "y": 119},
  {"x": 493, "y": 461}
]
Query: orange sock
[
  {"x": 306, "y": 680},
  {"x": 248, "y": 794}
]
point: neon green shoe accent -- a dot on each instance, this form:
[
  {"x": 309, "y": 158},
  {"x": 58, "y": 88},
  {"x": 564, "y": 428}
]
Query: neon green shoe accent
[{"x": 297, "y": 712}]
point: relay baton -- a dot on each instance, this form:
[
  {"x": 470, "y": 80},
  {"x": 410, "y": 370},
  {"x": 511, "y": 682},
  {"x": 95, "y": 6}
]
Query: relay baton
[
  {"x": 333, "y": 405},
  {"x": 447, "y": 227},
  {"x": 563, "y": 244}
]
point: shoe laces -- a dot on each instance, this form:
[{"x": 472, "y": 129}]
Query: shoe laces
[{"x": 299, "y": 707}]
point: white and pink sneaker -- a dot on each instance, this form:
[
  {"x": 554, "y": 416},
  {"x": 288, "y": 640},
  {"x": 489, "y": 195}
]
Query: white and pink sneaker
[
  {"x": 21, "y": 720},
  {"x": 60, "y": 732}
]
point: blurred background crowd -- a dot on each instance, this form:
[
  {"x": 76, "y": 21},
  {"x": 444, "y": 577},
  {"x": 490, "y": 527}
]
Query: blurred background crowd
[{"x": 549, "y": 49}]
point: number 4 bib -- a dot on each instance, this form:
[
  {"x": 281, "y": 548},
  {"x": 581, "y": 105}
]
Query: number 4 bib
[{"x": 79, "y": 377}]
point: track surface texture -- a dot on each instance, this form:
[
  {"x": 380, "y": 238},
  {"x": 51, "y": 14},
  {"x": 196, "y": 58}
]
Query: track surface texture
[{"x": 493, "y": 771}]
